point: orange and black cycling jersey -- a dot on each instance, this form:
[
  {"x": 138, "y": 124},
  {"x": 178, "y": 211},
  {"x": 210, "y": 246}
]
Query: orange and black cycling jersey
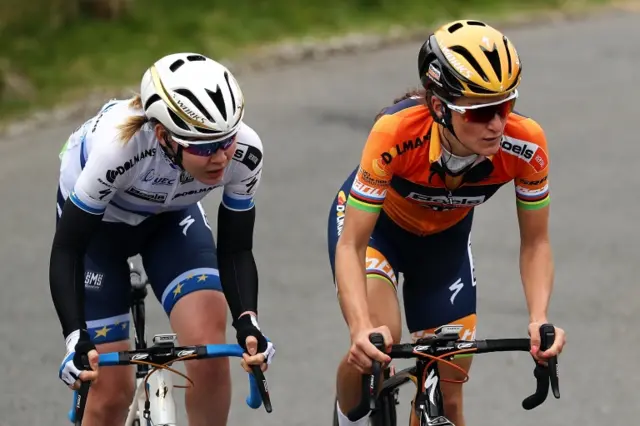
[{"x": 400, "y": 170}]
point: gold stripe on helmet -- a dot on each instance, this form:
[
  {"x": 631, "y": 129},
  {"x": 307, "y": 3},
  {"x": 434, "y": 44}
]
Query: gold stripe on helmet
[{"x": 171, "y": 103}]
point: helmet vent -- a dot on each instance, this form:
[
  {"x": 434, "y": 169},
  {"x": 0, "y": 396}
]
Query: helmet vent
[
  {"x": 455, "y": 27},
  {"x": 193, "y": 58},
  {"x": 506, "y": 46},
  {"x": 472, "y": 61},
  {"x": 233, "y": 98},
  {"x": 476, "y": 23},
  {"x": 177, "y": 64},
  {"x": 217, "y": 99},
  {"x": 515, "y": 80},
  {"x": 177, "y": 120},
  {"x": 208, "y": 131},
  {"x": 494, "y": 59},
  {"x": 187, "y": 94},
  {"x": 152, "y": 99}
]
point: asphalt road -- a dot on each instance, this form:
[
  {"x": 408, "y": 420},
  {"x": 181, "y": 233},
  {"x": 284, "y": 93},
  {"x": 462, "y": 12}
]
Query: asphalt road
[{"x": 580, "y": 83}]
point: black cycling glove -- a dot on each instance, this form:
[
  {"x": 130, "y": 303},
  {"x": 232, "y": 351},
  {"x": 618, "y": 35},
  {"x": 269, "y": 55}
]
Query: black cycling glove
[{"x": 246, "y": 326}]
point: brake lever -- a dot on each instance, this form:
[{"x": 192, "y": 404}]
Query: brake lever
[
  {"x": 547, "y": 337},
  {"x": 370, "y": 384},
  {"x": 378, "y": 341}
]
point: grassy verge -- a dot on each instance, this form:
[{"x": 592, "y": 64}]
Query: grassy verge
[{"x": 56, "y": 63}]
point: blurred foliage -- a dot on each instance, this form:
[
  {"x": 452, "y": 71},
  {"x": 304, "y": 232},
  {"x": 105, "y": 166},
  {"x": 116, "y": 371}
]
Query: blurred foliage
[{"x": 53, "y": 50}]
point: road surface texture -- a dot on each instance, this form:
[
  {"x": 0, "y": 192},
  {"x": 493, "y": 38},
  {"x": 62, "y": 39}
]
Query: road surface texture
[{"x": 580, "y": 83}]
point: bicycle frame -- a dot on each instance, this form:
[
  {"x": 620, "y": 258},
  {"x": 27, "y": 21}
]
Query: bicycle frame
[{"x": 162, "y": 408}]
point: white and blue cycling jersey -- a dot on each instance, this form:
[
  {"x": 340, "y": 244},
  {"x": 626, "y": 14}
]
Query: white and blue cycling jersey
[{"x": 129, "y": 181}]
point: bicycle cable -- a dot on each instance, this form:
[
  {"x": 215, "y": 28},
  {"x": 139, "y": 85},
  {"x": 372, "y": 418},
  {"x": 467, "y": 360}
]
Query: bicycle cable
[{"x": 441, "y": 358}]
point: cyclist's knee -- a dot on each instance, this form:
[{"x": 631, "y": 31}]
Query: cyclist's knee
[
  {"x": 110, "y": 396},
  {"x": 452, "y": 393},
  {"x": 200, "y": 319},
  {"x": 109, "y": 403},
  {"x": 209, "y": 372}
]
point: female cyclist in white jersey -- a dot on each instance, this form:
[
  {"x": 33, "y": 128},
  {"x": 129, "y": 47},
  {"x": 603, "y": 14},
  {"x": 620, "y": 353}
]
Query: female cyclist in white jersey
[{"x": 131, "y": 181}]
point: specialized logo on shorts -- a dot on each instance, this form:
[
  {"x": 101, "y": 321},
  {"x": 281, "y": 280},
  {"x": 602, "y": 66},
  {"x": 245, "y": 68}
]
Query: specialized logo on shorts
[
  {"x": 455, "y": 288},
  {"x": 528, "y": 151},
  {"x": 340, "y": 208}
]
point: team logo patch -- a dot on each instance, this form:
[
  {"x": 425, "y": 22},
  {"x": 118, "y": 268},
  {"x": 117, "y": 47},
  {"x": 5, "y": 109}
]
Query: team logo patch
[{"x": 528, "y": 151}]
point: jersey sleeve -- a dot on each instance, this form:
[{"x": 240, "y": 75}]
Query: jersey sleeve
[
  {"x": 106, "y": 170},
  {"x": 532, "y": 181},
  {"x": 239, "y": 193},
  {"x": 373, "y": 177}
]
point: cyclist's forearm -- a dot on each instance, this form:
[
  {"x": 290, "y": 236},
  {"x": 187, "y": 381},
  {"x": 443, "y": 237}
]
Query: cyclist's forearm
[
  {"x": 537, "y": 270},
  {"x": 239, "y": 279},
  {"x": 67, "y": 288},
  {"x": 238, "y": 271},
  {"x": 66, "y": 265},
  {"x": 351, "y": 282}
]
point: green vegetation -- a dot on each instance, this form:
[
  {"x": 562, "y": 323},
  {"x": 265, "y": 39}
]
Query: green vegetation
[{"x": 53, "y": 51}]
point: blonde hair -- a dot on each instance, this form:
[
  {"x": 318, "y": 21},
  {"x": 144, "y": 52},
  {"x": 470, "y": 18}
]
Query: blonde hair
[{"x": 134, "y": 123}]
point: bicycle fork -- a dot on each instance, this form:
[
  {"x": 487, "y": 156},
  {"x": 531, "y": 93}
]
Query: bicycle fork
[{"x": 429, "y": 404}]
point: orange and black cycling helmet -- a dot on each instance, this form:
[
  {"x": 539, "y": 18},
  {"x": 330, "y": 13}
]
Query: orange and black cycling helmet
[{"x": 470, "y": 59}]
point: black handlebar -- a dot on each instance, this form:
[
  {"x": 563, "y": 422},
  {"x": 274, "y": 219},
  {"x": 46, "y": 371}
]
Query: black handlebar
[
  {"x": 545, "y": 375},
  {"x": 441, "y": 345},
  {"x": 370, "y": 383}
]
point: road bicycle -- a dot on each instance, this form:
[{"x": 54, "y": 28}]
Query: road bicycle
[
  {"x": 380, "y": 397},
  {"x": 153, "y": 402}
]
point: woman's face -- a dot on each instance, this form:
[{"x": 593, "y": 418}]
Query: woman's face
[
  {"x": 479, "y": 131},
  {"x": 206, "y": 163}
]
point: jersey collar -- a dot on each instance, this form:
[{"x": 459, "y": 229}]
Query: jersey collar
[
  {"x": 435, "y": 147},
  {"x": 481, "y": 169}
]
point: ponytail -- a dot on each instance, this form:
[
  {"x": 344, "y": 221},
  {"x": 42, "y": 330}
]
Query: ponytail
[{"x": 134, "y": 123}]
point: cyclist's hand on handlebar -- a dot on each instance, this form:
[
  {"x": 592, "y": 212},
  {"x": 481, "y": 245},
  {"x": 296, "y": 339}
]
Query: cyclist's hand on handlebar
[
  {"x": 258, "y": 350},
  {"x": 73, "y": 369},
  {"x": 362, "y": 351},
  {"x": 554, "y": 350}
]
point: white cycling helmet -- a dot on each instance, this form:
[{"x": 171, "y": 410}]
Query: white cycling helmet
[{"x": 193, "y": 96}]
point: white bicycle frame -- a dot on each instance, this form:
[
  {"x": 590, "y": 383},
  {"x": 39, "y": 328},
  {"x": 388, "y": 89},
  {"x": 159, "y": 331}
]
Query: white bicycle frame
[{"x": 162, "y": 408}]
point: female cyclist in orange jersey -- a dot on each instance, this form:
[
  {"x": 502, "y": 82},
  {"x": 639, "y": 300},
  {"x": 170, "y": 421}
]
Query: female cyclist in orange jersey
[{"x": 430, "y": 158}]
